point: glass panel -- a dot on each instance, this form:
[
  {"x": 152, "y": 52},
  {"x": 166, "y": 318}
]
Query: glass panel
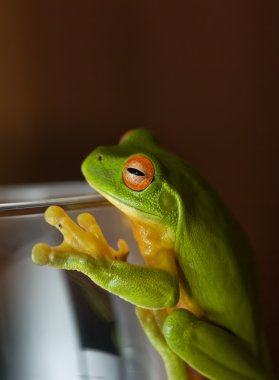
[{"x": 56, "y": 325}]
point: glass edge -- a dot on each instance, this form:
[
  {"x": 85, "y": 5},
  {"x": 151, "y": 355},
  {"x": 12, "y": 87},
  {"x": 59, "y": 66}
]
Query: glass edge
[{"x": 39, "y": 207}]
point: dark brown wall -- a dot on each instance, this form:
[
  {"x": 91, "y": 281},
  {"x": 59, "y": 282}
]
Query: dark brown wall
[{"x": 202, "y": 75}]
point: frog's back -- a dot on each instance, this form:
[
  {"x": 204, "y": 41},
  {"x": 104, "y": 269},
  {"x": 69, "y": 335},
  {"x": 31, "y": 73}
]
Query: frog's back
[{"x": 217, "y": 260}]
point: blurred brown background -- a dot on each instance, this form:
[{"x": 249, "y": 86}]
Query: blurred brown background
[{"x": 203, "y": 75}]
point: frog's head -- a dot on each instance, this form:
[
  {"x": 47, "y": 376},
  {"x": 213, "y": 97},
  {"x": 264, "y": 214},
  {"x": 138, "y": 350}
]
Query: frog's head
[{"x": 133, "y": 175}]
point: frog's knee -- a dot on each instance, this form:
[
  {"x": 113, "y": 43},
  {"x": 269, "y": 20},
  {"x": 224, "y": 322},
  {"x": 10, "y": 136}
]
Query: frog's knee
[{"x": 178, "y": 326}]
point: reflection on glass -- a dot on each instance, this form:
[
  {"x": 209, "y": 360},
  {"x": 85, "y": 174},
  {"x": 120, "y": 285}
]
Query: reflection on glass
[{"x": 56, "y": 325}]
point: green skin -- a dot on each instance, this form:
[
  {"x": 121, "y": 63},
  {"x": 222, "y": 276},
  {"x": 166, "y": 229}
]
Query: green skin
[{"x": 212, "y": 254}]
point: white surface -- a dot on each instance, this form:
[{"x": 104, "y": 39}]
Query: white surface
[
  {"x": 43, "y": 337},
  {"x": 100, "y": 366}
]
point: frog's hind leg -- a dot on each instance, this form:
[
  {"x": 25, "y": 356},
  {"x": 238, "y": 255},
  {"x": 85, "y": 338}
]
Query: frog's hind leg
[
  {"x": 175, "y": 367},
  {"x": 211, "y": 350}
]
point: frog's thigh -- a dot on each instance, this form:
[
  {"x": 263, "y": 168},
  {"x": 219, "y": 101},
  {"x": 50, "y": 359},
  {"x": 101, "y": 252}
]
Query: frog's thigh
[
  {"x": 175, "y": 367},
  {"x": 210, "y": 350}
]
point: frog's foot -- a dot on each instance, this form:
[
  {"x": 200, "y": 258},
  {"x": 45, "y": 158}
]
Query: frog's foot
[{"x": 84, "y": 238}]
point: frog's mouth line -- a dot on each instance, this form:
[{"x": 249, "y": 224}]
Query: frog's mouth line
[{"x": 132, "y": 212}]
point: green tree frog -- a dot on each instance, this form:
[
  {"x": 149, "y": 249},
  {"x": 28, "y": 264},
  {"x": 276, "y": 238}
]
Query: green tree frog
[{"x": 196, "y": 296}]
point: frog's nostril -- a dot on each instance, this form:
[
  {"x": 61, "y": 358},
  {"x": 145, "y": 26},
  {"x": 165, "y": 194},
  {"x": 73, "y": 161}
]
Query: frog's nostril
[{"x": 100, "y": 157}]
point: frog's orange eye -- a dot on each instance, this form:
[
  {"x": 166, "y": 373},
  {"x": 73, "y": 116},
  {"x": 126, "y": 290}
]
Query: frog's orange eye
[{"x": 138, "y": 173}]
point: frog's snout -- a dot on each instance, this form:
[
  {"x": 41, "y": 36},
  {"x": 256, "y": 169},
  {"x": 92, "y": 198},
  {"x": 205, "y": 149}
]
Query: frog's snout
[{"x": 89, "y": 164}]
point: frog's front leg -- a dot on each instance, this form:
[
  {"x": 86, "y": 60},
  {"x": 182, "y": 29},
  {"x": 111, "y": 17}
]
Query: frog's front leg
[
  {"x": 85, "y": 249},
  {"x": 211, "y": 350}
]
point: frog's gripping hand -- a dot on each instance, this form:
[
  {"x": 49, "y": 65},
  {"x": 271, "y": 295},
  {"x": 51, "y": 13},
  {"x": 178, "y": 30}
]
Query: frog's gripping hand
[
  {"x": 85, "y": 249},
  {"x": 85, "y": 238}
]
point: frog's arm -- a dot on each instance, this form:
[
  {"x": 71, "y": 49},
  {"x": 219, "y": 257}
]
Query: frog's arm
[
  {"x": 211, "y": 350},
  {"x": 85, "y": 249}
]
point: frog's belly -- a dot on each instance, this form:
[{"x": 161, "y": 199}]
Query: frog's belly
[
  {"x": 193, "y": 375},
  {"x": 161, "y": 255}
]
